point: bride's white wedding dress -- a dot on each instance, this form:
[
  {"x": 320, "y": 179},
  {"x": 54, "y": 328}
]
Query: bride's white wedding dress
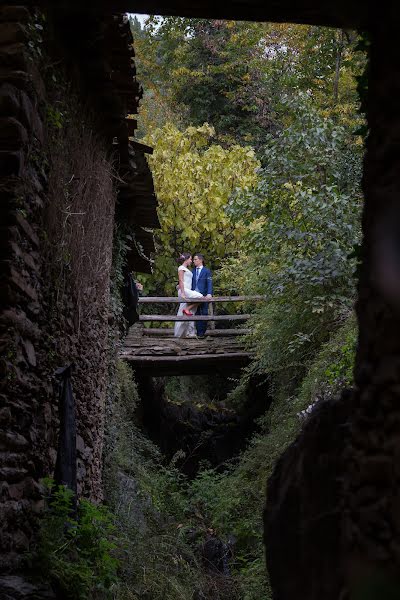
[{"x": 186, "y": 328}]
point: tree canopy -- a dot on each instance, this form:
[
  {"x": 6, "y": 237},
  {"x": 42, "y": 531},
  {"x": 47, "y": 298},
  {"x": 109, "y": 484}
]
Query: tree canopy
[
  {"x": 194, "y": 180},
  {"x": 257, "y": 134},
  {"x": 237, "y": 75}
]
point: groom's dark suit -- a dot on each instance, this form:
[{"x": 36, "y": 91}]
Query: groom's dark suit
[{"x": 202, "y": 282}]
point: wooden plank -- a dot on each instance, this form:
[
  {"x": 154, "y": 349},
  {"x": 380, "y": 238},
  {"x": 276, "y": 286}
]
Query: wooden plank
[
  {"x": 149, "y": 353},
  {"x": 165, "y": 332},
  {"x": 175, "y": 300},
  {"x": 157, "y": 351},
  {"x": 160, "y": 318},
  {"x": 177, "y": 359},
  {"x": 212, "y": 312},
  {"x": 173, "y": 341},
  {"x": 181, "y": 350},
  {"x": 167, "y": 340}
]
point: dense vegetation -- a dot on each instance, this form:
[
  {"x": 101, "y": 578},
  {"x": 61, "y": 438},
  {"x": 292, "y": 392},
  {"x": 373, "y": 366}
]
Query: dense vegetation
[
  {"x": 258, "y": 143},
  {"x": 258, "y": 146},
  {"x": 195, "y": 180},
  {"x": 257, "y": 137}
]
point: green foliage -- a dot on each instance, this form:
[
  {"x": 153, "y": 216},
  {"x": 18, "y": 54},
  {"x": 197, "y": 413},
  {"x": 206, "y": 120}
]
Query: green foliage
[
  {"x": 208, "y": 390},
  {"x": 149, "y": 501},
  {"x": 76, "y": 550},
  {"x": 121, "y": 244},
  {"x": 159, "y": 514},
  {"x": 232, "y": 502},
  {"x": 162, "y": 518},
  {"x": 34, "y": 30},
  {"x": 363, "y": 47},
  {"x": 302, "y": 223},
  {"x": 194, "y": 180},
  {"x": 332, "y": 369},
  {"x": 54, "y": 117},
  {"x": 235, "y": 74},
  {"x": 288, "y": 230},
  {"x": 216, "y": 75}
]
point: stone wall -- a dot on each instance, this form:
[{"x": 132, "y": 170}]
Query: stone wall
[
  {"x": 57, "y": 217},
  {"x": 78, "y": 222},
  {"x": 27, "y": 411}
]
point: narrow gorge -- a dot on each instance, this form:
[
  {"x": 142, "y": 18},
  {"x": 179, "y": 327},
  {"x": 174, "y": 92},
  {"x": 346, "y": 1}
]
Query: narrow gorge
[{"x": 199, "y": 320}]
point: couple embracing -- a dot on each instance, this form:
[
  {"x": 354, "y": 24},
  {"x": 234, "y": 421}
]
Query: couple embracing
[{"x": 192, "y": 285}]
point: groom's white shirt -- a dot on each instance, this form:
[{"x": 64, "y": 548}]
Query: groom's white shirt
[{"x": 197, "y": 271}]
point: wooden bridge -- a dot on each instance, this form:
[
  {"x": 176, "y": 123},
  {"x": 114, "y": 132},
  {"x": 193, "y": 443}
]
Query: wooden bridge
[{"x": 156, "y": 352}]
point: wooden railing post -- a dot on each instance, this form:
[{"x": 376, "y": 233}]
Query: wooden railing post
[{"x": 212, "y": 311}]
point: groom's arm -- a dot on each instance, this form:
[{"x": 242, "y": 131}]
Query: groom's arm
[{"x": 209, "y": 283}]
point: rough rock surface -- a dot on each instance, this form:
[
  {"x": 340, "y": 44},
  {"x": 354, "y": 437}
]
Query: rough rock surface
[
  {"x": 35, "y": 338},
  {"x": 303, "y": 533},
  {"x": 27, "y": 419}
]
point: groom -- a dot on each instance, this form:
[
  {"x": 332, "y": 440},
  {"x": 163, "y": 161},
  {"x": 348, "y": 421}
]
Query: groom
[{"x": 201, "y": 282}]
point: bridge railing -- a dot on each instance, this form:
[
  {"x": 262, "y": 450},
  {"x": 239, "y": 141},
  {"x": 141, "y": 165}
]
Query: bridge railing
[
  {"x": 176, "y": 300},
  {"x": 212, "y": 316}
]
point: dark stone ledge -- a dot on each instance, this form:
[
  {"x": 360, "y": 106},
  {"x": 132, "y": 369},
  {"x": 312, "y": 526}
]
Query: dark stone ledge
[
  {"x": 10, "y": 13},
  {"x": 342, "y": 13}
]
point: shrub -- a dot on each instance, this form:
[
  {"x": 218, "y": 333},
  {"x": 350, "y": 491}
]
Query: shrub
[
  {"x": 76, "y": 548},
  {"x": 149, "y": 501},
  {"x": 302, "y": 226},
  {"x": 232, "y": 502},
  {"x": 332, "y": 370}
]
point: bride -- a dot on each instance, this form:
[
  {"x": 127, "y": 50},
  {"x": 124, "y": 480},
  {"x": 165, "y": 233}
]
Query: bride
[{"x": 185, "y": 292}]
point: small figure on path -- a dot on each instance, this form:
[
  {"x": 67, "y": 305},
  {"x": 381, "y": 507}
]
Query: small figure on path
[
  {"x": 202, "y": 282},
  {"x": 185, "y": 292}
]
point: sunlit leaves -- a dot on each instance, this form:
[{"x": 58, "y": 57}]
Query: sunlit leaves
[{"x": 194, "y": 180}]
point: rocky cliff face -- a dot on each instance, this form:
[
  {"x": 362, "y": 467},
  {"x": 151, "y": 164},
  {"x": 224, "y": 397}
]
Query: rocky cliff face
[
  {"x": 27, "y": 413},
  {"x": 67, "y": 84},
  {"x": 303, "y": 532}
]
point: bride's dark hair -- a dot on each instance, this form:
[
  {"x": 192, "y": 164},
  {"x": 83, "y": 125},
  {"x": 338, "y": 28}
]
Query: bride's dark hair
[{"x": 182, "y": 257}]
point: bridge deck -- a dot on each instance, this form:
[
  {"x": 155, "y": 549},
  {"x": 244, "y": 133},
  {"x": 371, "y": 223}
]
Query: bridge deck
[
  {"x": 166, "y": 355},
  {"x": 155, "y": 352}
]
